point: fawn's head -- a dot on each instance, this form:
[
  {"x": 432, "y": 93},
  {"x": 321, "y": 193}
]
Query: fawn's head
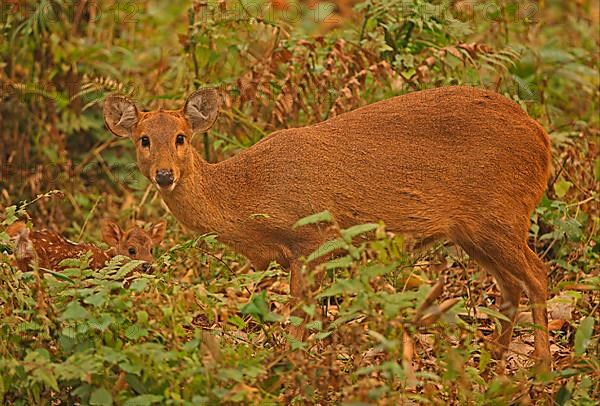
[
  {"x": 162, "y": 137},
  {"x": 135, "y": 243}
]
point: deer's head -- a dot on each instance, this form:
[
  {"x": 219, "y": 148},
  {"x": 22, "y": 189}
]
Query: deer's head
[
  {"x": 162, "y": 137},
  {"x": 136, "y": 242}
]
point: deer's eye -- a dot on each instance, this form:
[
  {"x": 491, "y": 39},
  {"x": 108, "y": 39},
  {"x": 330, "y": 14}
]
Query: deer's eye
[
  {"x": 131, "y": 251},
  {"x": 180, "y": 139},
  {"x": 145, "y": 141}
]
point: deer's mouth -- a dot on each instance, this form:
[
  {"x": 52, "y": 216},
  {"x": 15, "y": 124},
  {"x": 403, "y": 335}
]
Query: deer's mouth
[{"x": 166, "y": 188}]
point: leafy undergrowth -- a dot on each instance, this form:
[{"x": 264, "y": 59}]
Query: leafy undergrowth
[{"x": 382, "y": 326}]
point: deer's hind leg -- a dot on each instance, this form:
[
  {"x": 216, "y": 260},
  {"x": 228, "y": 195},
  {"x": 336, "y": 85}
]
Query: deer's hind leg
[
  {"x": 515, "y": 268},
  {"x": 536, "y": 285},
  {"x": 510, "y": 290}
]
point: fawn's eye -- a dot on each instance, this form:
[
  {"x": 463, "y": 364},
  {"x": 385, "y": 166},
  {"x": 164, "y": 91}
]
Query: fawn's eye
[
  {"x": 131, "y": 251},
  {"x": 180, "y": 139},
  {"x": 145, "y": 141}
]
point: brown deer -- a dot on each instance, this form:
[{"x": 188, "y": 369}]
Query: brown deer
[
  {"x": 49, "y": 248},
  {"x": 457, "y": 163}
]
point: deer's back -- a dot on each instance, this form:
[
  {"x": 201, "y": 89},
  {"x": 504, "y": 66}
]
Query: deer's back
[
  {"x": 51, "y": 248},
  {"x": 455, "y": 148}
]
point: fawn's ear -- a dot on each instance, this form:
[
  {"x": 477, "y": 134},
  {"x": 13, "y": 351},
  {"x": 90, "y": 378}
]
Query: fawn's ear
[
  {"x": 157, "y": 232},
  {"x": 111, "y": 233},
  {"x": 120, "y": 115},
  {"x": 201, "y": 109}
]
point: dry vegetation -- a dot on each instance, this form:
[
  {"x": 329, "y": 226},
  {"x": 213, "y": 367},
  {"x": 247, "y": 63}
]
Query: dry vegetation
[{"x": 388, "y": 325}]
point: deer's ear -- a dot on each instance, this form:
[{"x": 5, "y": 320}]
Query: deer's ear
[
  {"x": 201, "y": 109},
  {"x": 120, "y": 115},
  {"x": 157, "y": 232},
  {"x": 111, "y": 233}
]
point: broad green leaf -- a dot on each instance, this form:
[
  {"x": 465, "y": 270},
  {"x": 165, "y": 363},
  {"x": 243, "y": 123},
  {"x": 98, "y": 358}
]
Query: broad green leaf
[
  {"x": 10, "y": 214},
  {"x": 143, "y": 400},
  {"x": 139, "y": 285},
  {"x": 561, "y": 188},
  {"x": 583, "y": 335},
  {"x": 296, "y": 321},
  {"x": 191, "y": 345},
  {"x": 259, "y": 308},
  {"x": 97, "y": 299},
  {"x": 315, "y": 325},
  {"x": 74, "y": 311},
  {"x": 134, "y": 332},
  {"x": 101, "y": 396},
  {"x": 130, "y": 368},
  {"x": 102, "y": 322},
  {"x": 142, "y": 316},
  {"x": 322, "y": 217},
  {"x": 562, "y": 396}
]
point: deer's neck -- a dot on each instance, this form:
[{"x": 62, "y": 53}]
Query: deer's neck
[{"x": 201, "y": 199}]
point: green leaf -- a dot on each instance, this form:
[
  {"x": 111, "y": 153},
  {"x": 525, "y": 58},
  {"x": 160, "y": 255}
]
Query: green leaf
[
  {"x": 583, "y": 335},
  {"x": 563, "y": 396},
  {"x": 101, "y": 396},
  {"x": 354, "y": 231},
  {"x": 60, "y": 276},
  {"x": 10, "y": 214},
  {"x": 561, "y": 188},
  {"x": 142, "y": 316},
  {"x": 191, "y": 345},
  {"x": 46, "y": 376},
  {"x": 324, "y": 216},
  {"x": 139, "y": 285},
  {"x": 130, "y": 368},
  {"x": 296, "y": 321},
  {"x": 315, "y": 325},
  {"x": 134, "y": 332},
  {"x": 237, "y": 321},
  {"x": 126, "y": 269},
  {"x": 259, "y": 308},
  {"x": 337, "y": 263},
  {"x": 492, "y": 313},
  {"x": 484, "y": 359},
  {"x": 143, "y": 400},
  {"x": 102, "y": 322},
  {"x": 327, "y": 248},
  {"x": 74, "y": 311},
  {"x": 96, "y": 300},
  {"x": 323, "y": 335},
  {"x": 341, "y": 287}
]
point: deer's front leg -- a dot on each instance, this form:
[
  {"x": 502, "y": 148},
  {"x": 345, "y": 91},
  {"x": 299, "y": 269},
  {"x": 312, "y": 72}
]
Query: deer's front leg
[{"x": 298, "y": 293}]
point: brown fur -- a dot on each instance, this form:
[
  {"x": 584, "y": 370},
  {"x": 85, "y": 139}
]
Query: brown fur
[
  {"x": 457, "y": 163},
  {"x": 49, "y": 248}
]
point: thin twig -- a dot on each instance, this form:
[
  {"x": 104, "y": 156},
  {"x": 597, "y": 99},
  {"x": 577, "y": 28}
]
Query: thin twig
[{"x": 87, "y": 218}]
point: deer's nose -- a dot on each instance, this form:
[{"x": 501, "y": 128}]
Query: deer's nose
[{"x": 164, "y": 177}]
